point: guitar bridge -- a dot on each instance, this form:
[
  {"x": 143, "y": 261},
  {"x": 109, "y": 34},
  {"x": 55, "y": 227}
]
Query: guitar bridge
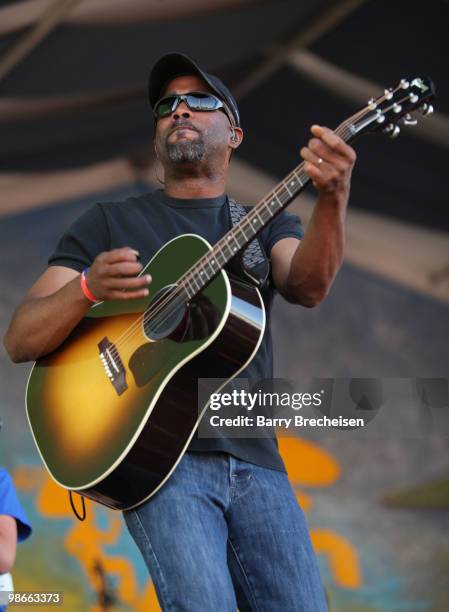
[{"x": 113, "y": 365}]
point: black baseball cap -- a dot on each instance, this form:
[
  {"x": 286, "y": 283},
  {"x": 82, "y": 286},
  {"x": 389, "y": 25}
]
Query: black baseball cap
[{"x": 177, "y": 64}]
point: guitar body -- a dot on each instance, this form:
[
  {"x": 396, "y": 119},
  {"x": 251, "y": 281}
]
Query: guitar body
[{"x": 114, "y": 408}]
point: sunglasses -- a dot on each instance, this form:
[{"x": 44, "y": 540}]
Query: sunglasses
[{"x": 195, "y": 100}]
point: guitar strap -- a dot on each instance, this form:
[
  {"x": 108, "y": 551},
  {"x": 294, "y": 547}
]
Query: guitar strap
[{"x": 254, "y": 261}]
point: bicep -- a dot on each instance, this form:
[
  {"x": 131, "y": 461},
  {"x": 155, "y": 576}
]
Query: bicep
[
  {"x": 281, "y": 257},
  {"x": 53, "y": 279}
]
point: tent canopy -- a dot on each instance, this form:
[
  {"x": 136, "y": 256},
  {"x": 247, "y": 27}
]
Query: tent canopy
[{"x": 78, "y": 96}]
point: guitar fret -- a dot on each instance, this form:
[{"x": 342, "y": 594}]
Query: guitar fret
[
  {"x": 188, "y": 288},
  {"x": 234, "y": 237},
  {"x": 195, "y": 283},
  {"x": 289, "y": 192},
  {"x": 228, "y": 246},
  {"x": 207, "y": 270},
  {"x": 287, "y": 197},
  {"x": 303, "y": 177},
  {"x": 246, "y": 223},
  {"x": 273, "y": 201},
  {"x": 298, "y": 178},
  {"x": 185, "y": 291},
  {"x": 220, "y": 253},
  {"x": 257, "y": 214},
  {"x": 243, "y": 231},
  {"x": 260, "y": 218},
  {"x": 280, "y": 200},
  {"x": 268, "y": 209},
  {"x": 255, "y": 220}
]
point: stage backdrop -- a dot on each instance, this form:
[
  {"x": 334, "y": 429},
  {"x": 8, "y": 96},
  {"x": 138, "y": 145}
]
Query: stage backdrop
[{"x": 378, "y": 509}]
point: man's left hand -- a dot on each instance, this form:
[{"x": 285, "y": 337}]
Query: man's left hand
[{"x": 328, "y": 162}]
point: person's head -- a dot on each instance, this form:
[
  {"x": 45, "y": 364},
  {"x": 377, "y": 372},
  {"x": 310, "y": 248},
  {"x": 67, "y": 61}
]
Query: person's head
[{"x": 184, "y": 133}]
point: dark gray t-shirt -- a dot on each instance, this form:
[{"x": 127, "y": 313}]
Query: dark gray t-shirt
[{"x": 146, "y": 223}]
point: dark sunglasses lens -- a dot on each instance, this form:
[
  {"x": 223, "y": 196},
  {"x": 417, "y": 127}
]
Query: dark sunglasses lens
[
  {"x": 196, "y": 101},
  {"x": 203, "y": 102},
  {"x": 166, "y": 106}
]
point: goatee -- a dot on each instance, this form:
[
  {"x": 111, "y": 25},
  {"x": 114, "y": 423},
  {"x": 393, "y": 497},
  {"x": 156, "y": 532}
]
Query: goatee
[{"x": 186, "y": 151}]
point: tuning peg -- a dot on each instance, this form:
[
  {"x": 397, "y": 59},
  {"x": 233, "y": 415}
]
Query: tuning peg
[
  {"x": 395, "y": 132},
  {"x": 380, "y": 117},
  {"x": 372, "y": 105},
  {"x": 388, "y": 93},
  {"x": 392, "y": 130},
  {"x": 404, "y": 84},
  {"x": 409, "y": 120},
  {"x": 413, "y": 98},
  {"x": 397, "y": 108},
  {"x": 426, "y": 109}
]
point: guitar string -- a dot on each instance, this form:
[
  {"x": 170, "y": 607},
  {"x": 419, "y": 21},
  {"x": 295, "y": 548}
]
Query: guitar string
[{"x": 152, "y": 315}]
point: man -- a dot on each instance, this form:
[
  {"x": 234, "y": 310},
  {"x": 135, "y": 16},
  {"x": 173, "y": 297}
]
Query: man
[
  {"x": 14, "y": 527},
  {"x": 225, "y": 530}
]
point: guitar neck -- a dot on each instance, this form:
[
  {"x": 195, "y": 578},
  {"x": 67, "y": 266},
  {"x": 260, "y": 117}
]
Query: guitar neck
[
  {"x": 381, "y": 114},
  {"x": 238, "y": 237}
]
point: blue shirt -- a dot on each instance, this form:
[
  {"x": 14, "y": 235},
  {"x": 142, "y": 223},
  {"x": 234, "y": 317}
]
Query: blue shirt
[{"x": 11, "y": 506}]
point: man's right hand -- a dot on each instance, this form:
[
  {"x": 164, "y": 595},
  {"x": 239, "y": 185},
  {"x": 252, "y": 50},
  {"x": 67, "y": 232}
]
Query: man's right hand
[
  {"x": 113, "y": 276},
  {"x": 56, "y": 303}
]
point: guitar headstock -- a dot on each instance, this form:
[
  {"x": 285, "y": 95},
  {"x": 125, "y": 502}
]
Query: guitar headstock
[{"x": 387, "y": 112}]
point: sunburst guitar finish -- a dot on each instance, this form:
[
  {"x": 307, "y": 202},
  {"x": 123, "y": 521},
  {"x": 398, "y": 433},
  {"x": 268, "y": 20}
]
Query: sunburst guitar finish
[{"x": 113, "y": 409}]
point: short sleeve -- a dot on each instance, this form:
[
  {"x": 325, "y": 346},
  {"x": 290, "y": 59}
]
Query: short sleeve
[
  {"x": 83, "y": 241},
  {"x": 285, "y": 225},
  {"x": 11, "y": 506}
]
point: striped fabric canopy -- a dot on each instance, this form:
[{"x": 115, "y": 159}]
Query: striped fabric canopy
[{"x": 73, "y": 83}]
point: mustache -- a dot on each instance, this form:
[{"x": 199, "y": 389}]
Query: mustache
[{"x": 183, "y": 124}]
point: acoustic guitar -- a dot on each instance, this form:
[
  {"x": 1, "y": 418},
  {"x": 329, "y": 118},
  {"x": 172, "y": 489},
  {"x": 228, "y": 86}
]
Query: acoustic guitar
[{"x": 113, "y": 409}]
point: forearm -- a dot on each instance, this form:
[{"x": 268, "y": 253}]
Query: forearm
[
  {"x": 40, "y": 325},
  {"x": 8, "y": 543},
  {"x": 320, "y": 253},
  {"x": 56, "y": 303},
  {"x": 328, "y": 161},
  {"x": 7, "y": 554}
]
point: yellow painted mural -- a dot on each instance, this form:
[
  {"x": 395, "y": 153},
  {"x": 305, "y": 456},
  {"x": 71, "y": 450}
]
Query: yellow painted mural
[{"x": 310, "y": 466}]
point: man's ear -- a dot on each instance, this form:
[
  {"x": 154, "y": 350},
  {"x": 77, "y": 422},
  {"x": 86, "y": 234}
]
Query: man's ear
[{"x": 236, "y": 137}]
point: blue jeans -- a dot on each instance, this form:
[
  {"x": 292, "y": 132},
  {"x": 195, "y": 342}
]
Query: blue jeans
[{"x": 223, "y": 533}]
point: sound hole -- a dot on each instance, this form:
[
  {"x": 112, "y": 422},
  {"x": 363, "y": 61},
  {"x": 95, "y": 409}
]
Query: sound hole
[{"x": 164, "y": 314}]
